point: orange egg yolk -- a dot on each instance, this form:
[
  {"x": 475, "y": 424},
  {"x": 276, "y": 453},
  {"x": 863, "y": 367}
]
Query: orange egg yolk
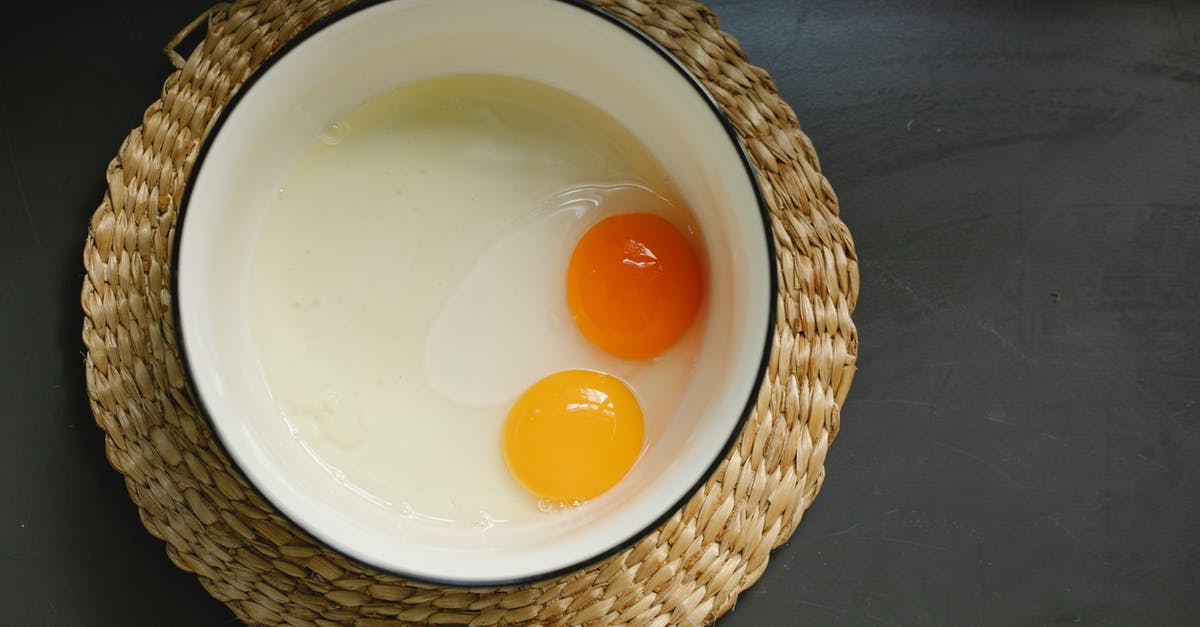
[
  {"x": 573, "y": 435},
  {"x": 633, "y": 285}
]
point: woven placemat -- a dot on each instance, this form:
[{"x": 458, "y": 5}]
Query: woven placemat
[{"x": 688, "y": 571}]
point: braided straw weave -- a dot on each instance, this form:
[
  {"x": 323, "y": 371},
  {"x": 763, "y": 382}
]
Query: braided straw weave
[{"x": 688, "y": 571}]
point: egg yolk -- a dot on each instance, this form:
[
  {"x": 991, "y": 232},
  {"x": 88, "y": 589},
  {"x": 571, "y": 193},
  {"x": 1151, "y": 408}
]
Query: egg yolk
[
  {"x": 573, "y": 435},
  {"x": 633, "y": 285}
]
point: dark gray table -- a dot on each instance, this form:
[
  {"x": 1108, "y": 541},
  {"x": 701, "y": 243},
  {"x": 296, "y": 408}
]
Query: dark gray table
[{"x": 1022, "y": 443}]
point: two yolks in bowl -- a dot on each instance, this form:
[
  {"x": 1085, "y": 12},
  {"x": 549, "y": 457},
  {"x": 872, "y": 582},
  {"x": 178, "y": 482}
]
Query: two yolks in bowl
[
  {"x": 477, "y": 299},
  {"x": 633, "y": 288}
]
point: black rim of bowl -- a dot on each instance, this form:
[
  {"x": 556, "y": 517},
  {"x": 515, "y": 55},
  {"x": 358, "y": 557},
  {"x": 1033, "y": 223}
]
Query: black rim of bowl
[{"x": 764, "y": 214}]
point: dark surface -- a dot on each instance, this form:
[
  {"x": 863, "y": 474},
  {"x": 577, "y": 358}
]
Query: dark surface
[{"x": 1022, "y": 442}]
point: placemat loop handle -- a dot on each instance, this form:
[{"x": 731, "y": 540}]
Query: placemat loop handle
[{"x": 209, "y": 17}]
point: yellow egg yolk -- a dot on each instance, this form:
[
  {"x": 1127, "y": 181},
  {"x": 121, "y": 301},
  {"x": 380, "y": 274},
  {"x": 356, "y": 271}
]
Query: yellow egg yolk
[
  {"x": 573, "y": 435},
  {"x": 633, "y": 285}
]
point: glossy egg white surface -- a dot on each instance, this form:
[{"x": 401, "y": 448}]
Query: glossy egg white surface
[{"x": 410, "y": 284}]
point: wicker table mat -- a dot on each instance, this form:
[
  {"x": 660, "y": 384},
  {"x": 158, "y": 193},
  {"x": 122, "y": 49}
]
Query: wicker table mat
[{"x": 688, "y": 571}]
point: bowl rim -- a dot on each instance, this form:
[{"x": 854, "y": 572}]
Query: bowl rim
[{"x": 764, "y": 359}]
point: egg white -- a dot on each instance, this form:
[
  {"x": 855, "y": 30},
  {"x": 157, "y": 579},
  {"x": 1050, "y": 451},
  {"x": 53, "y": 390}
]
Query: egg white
[{"x": 410, "y": 285}]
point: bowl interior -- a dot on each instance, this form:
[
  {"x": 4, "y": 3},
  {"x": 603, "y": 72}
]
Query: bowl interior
[{"x": 372, "y": 50}]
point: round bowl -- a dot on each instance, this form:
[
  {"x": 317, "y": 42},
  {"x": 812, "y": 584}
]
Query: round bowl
[{"x": 372, "y": 48}]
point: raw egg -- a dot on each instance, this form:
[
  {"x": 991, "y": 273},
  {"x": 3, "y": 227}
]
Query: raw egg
[
  {"x": 573, "y": 435},
  {"x": 633, "y": 285},
  {"x": 409, "y": 287}
]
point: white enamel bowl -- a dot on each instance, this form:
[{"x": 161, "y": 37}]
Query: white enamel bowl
[{"x": 371, "y": 49}]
